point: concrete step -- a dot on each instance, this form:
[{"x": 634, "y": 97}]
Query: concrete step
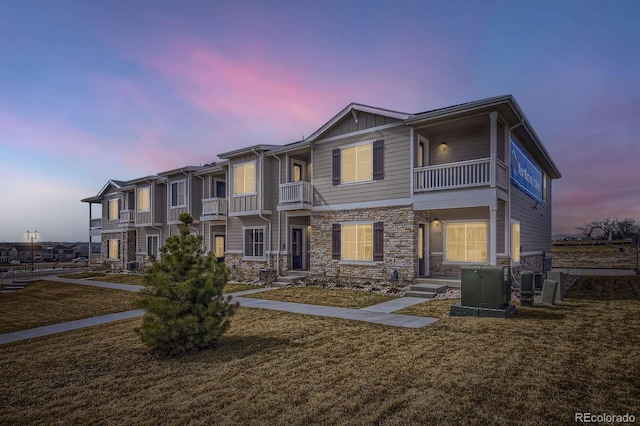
[
  {"x": 428, "y": 287},
  {"x": 443, "y": 281},
  {"x": 421, "y": 294},
  {"x": 279, "y": 284}
]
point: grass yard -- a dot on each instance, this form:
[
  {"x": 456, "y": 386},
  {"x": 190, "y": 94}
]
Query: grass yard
[
  {"x": 342, "y": 298},
  {"x": 273, "y": 368},
  {"x": 50, "y": 302}
]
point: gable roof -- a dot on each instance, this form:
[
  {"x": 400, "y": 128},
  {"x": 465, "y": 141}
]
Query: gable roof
[
  {"x": 113, "y": 183},
  {"x": 352, "y": 109}
]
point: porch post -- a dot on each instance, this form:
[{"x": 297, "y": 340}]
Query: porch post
[
  {"x": 493, "y": 234},
  {"x": 412, "y": 141},
  {"x": 494, "y": 148}
]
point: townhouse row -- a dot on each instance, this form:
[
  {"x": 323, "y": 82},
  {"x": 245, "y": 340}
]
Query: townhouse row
[{"x": 372, "y": 194}]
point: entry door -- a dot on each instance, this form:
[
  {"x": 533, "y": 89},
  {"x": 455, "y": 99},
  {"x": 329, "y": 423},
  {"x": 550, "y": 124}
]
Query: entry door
[
  {"x": 296, "y": 248},
  {"x": 423, "y": 249}
]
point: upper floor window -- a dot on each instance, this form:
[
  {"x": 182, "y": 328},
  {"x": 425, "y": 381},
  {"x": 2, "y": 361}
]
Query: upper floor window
[
  {"x": 245, "y": 178},
  {"x": 297, "y": 172},
  {"x": 178, "y": 193},
  {"x": 218, "y": 188},
  {"x": 465, "y": 241},
  {"x": 358, "y": 163},
  {"x": 144, "y": 199},
  {"x": 113, "y": 212}
]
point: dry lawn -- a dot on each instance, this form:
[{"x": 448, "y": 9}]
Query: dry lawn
[
  {"x": 278, "y": 368},
  {"x": 50, "y": 302},
  {"x": 594, "y": 256},
  {"x": 342, "y": 298}
]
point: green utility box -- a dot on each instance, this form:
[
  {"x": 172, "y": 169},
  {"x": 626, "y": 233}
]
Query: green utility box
[
  {"x": 557, "y": 276},
  {"x": 486, "y": 292},
  {"x": 549, "y": 289},
  {"x": 526, "y": 288}
]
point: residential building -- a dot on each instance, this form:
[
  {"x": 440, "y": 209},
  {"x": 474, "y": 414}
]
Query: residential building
[{"x": 371, "y": 194}]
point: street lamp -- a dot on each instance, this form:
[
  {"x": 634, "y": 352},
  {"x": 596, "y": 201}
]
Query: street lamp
[{"x": 32, "y": 236}]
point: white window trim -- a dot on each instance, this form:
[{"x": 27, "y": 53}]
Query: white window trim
[
  {"x": 185, "y": 193},
  {"x": 425, "y": 157},
  {"x": 255, "y": 179},
  {"x": 351, "y": 145},
  {"x": 264, "y": 243},
  {"x": 444, "y": 243},
  {"x": 303, "y": 170},
  {"x": 137, "y": 191},
  {"x": 355, "y": 261}
]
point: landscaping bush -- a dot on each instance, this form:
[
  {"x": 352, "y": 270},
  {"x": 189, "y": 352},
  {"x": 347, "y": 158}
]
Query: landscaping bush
[{"x": 186, "y": 309}]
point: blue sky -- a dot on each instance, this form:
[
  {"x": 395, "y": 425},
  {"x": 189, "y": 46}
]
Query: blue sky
[{"x": 96, "y": 90}]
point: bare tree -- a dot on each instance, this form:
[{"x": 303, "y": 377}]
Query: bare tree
[{"x": 625, "y": 228}]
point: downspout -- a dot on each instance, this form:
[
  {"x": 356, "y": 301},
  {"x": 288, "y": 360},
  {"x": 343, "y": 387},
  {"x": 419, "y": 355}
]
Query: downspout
[
  {"x": 260, "y": 197},
  {"x": 508, "y": 143},
  {"x": 202, "y": 222},
  {"x": 153, "y": 213},
  {"x": 279, "y": 215}
]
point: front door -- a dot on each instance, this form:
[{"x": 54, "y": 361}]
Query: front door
[
  {"x": 423, "y": 248},
  {"x": 296, "y": 248}
]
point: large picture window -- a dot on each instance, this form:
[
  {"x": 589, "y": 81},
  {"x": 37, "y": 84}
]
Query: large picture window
[
  {"x": 465, "y": 241},
  {"x": 179, "y": 193},
  {"x": 144, "y": 199},
  {"x": 357, "y": 242},
  {"x": 254, "y": 242},
  {"x": 245, "y": 178}
]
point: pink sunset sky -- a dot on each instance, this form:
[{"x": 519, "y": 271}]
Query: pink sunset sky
[{"x": 92, "y": 91}]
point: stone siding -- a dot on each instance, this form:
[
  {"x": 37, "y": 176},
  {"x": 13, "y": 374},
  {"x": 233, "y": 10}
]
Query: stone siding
[
  {"x": 400, "y": 244},
  {"x": 127, "y": 248}
]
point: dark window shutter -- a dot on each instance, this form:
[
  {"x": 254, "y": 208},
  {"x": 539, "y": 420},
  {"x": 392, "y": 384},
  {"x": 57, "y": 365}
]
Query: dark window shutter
[
  {"x": 378, "y": 160},
  {"x": 378, "y": 241},
  {"x": 336, "y": 167},
  {"x": 336, "y": 241}
]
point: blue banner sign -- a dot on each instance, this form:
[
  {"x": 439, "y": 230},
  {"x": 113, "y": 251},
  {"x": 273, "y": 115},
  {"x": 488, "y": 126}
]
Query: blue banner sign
[{"x": 525, "y": 174}]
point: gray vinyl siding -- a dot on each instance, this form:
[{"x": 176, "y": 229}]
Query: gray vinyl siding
[
  {"x": 194, "y": 197},
  {"x": 365, "y": 121},
  {"x": 464, "y": 144},
  {"x": 235, "y": 234},
  {"x": 396, "y": 170},
  {"x": 159, "y": 202},
  {"x": 535, "y": 223},
  {"x": 502, "y": 218},
  {"x": 106, "y": 223}
]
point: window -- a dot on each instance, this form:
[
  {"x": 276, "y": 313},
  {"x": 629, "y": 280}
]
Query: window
[
  {"x": 114, "y": 210},
  {"x": 144, "y": 199},
  {"x": 152, "y": 245},
  {"x": 113, "y": 249},
  {"x": 358, "y": 163},
  {"x": 515, "y": 241},
  {"x": 220, "y": 188},
  {"x": 358, "y": 241},
  {"x": 254, "y": 242},
  {"x": 245, "y": 178},
  {"x": 219, "y": 246},
  {"x": 178, "y": 193},
  {"x": 465, "y": 241}
]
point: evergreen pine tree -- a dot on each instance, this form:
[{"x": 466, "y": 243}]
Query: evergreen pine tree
[{"x": 186, "y": 309}]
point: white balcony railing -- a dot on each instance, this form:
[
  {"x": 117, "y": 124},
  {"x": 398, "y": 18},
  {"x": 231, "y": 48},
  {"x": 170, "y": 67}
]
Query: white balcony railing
[
  {"x": 95, "y": 223},
  {"x": 214, "y": 206},
  {"x": 127, "y": 216},
  {"x": 296, "y": 192},
  {"x": 463, "y": 174}
]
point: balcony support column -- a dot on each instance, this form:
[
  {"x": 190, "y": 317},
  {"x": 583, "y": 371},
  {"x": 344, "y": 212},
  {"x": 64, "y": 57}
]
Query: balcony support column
[{"x": 494, "y": 148}]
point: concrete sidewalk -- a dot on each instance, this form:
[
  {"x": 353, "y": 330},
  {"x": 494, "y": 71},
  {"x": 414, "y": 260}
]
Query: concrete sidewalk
[{"x": 377, "y": 314}]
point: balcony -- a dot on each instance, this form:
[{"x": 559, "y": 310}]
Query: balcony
[
  {"x": 296, "y": 196},
  {"x": 214, "y": 209},
  {"x": 95, "y": 227},
  {"x": 460, "y": 175},
  {"x": 127, "y": 217}
]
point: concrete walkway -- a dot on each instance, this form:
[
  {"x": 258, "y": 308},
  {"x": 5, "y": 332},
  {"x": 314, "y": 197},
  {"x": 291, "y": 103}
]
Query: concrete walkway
[{"x": 377, "y": 314}]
